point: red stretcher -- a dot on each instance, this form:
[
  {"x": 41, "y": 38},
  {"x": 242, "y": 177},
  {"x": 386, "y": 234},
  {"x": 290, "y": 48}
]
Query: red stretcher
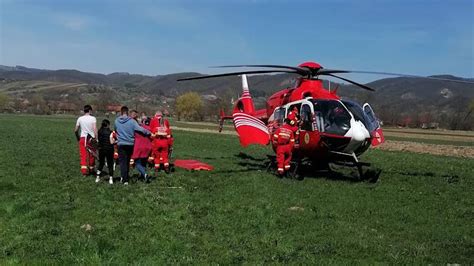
[{"x": 193, "y": 165}]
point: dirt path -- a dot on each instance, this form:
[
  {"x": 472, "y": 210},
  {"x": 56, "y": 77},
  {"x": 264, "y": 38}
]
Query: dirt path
[
  {"x": 202, "y": 130},
  {"x": 389, "y": 145},
  {"x": 452, "y": 137},
  {"x": 436, "y": 149}
]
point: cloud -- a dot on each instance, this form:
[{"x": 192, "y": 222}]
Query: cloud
[
  {"x": 75, "y": 22},
  {"x": 170, "y": 15}
]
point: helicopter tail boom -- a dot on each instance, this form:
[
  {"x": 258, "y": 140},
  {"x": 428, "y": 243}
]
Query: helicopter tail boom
[
  {"x": 250, "y": 128},
  {"x": 245, "y": 103}
]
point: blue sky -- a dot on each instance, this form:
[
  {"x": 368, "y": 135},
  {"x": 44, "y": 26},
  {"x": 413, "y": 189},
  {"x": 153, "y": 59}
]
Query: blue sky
[{"x": 159, "y": 37}]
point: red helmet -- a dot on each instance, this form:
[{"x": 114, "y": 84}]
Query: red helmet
[{"x": 292, "y": 116}]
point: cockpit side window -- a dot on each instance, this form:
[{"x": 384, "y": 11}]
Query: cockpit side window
[
  {"x": 306, "y": 117},
  {"x": 331, "y": 117},
  {"x": 372, "y": 119},
  {"x": 280, "y": 115},
  {"x": 298, "y": 106}
]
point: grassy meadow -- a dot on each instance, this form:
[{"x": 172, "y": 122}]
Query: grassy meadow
[{"x": 419, "y": 212}]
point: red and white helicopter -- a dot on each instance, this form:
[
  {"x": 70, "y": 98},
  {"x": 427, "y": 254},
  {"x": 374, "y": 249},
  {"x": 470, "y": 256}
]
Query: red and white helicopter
[{"x": 332, "y": 130}]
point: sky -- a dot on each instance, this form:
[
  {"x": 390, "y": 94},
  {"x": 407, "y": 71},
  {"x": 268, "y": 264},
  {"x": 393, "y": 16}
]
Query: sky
[{"x": 423, "y": 37}]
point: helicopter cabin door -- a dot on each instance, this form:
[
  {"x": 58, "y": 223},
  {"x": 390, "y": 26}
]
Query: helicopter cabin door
[
  {"x": 373, "y": 123},
  {"x": 374, "y": 126},
  {"x": 307, "y": 125},
  {"x": 277, "y": 119}
]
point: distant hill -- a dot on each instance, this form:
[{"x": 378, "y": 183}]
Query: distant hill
[
  {"x": 70, "y": 75},
  {"x": 394, "y": 100},
  {"x": 165, "y": 84}
]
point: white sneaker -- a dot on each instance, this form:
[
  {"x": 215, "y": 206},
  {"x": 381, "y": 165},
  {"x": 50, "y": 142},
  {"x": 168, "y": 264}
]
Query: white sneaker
[
  {"x": 97, "y": 179},
  {"x": 126, "y": 183},
  {"x": 111, "y": 180}
]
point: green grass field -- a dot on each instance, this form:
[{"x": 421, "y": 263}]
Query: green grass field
[
  {"x": 464, "y": 138},
  {"x": 420, "y": 211},
  {"x": 432, "y": 141}
]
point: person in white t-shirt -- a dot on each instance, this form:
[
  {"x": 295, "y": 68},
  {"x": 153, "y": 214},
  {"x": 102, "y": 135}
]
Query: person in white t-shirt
[{"x": 88, "y": 130}]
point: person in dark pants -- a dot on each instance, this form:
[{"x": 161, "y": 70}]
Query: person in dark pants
[
  {"x": 125, "y": 127},
  {"x": 141, "y": 150},
  {"x": 106, "y": 151}
]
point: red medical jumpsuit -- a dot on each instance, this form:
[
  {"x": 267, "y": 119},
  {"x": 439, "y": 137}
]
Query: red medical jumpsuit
[{"x": 284, "y": 140}]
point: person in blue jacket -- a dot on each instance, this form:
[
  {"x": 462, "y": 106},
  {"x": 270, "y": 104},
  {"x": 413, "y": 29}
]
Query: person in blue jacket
[{"x": 125, "y": 126}]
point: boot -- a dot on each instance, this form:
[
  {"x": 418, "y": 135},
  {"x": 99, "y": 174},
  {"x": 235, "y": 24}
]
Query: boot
[{"x": 97, "y": 178}]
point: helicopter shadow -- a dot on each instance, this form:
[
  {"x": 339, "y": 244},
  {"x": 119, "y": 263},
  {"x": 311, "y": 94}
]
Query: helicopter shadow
[
  {"x": 245, "y": 156},
  {"x": 306, "y": 170},
  {"x": 248, "y": 163},
  {"x": 251, "y": 163},
  {"x": 342, "y": 174}
]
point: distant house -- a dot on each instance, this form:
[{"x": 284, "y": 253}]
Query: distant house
[
  {"x": 113, "y": 108},
  {"x": 405, "y": 122},
  {"x": 25, "y": 103},
  {"x": 144, "y": 99},
  {"x": 432, "y": 125},
  {"x": 63, "y": 107},
  {"x": 67, "y": 107},
  {"x": 209, "y": 97}
]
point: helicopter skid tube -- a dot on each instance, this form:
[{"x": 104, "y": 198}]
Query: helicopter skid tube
[
  {"x": 339, "y": 159},
  {"x": 351, "y": 160}
]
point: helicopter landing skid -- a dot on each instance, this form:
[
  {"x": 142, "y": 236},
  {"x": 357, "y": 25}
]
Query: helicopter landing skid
[
  {"x": 341, "y": 159},
  {"x": 351, "y": 160}
]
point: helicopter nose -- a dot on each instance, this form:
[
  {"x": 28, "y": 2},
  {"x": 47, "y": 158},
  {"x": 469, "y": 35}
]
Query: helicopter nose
[{"x": 359, "y": 132}]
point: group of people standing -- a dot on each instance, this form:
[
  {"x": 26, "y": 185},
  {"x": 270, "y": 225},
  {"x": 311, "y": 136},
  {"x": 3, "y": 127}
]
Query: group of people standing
[{"x": 136, "y": 141}]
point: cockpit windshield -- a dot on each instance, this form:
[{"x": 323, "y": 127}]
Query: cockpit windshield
[
  {"x": 366, "y": 115},
  {"x": 331, "y": 117}
]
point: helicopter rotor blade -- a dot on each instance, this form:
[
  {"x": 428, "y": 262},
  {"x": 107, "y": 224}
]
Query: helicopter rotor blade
[
  {"x": 407, "y": 75},
  {"x": 304, "y": 71},
  {"x": 239, "y": 73},
  {"x": 352, "y": 82},
  {"x": 325, "y": 71},
  {"x": 300, "y": 70}
]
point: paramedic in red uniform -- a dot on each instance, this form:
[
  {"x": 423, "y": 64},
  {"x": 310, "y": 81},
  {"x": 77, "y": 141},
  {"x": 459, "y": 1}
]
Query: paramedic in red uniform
[
  {"x": 284, "y": 140},
  {"x": 88, "y": 130},
  {"x": 153, "y": 124},
  {"x": 294, "y": 118},
  {"x": 162, "y": 141}
]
